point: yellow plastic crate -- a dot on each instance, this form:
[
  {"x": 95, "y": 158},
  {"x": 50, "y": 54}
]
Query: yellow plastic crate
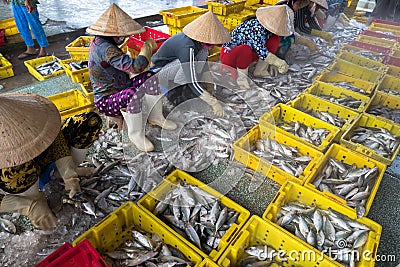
[
  {"x": 87, "y": 91},
  {"x": 251, "y": 2},
  {"x": 31, "y": 64},
  {"x": 181, "y": 16},
  {"x": 5, "y": 68},
  {"x": 389, "y": 82},
  {"x": 294, "y": 192},
  {"x": 259, "y": 232},
  {"x": 79, "y": 48},
  {"x": 150, "y": 200},
  {"x": 174, "y": 30},
  {"x": 231, "y": 21},
  {"x": 310, "y": 102},
  {"x": 388, "y": 29},
  {"x": 225, "y": 9},
  {"x": 242, "y": 154},
  {"x": 214, "y": 54},
  {"x": 350, "y": 157},
  {"x": 352, "y": 49},
  {"x": 328, "y": 76},
  {"x": 395, "y": 53},
  {"x": 71, "y": 103},
  {"x": 385, "y": 100},
  {"x": 285, "y": 113},
  {"x": 393, "y": 71},
  {"x": 319, "y": 88},
  {"x": 355, "y": 71},
  {"x": 208, "y": 263},
  {"x": 9, "y": 26},
  {"x": 108, "y": 234},
  {"x": 361, "y": 61},
  {"x": 366, "y": 120},
  {"x": 376, "y": 41},
  {"x": 77, "y": 76}
]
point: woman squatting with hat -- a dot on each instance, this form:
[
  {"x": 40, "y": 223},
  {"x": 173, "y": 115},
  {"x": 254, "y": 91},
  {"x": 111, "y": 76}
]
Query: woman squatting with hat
[
  {"x": 265, "y": 39},
  {"x": 33, "y": 141},
  {"x": 120, "y": 83},
  {"x": 182, "y": 59}
]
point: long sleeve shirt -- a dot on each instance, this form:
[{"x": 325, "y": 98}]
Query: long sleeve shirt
[
  {"x": 302, "y": 17},
  {"x": 251, "y": 33},
  {"x": 185, "y": 49},
  {"x": 108, "y": 68}
]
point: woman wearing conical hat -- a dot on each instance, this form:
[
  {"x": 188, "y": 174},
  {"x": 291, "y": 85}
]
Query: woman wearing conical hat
[
  {"x": 34, "y": 142},
  {"x": 120, "y": 83},
  {"x": 334, "y": 13},
  {"x": 264, "y": 39},
  {"x": 305, "y": 20},
  {"x": 183, "y": 57}
]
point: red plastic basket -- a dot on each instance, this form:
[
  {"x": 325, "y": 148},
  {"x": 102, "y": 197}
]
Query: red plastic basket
[
  {"x": 381, "y": 35},
  {"x": 389, "y": 22},
  {"x": 82, "y": 255},
  {"x": 136, "y": 41},
  {"x": 390, "y": 60},
  {"x": 371, "y": 47},
  {"x": 2, "y": 37}
]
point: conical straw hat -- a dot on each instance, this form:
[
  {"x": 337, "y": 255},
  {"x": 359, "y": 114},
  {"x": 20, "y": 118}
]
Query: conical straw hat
[
  {"x": 277, "y": 19},
  {"x": 29, "y": 123},
  {"x": 322, "y": 3},
  {"x": 115, "y": 22},
  {"x": 207, "y": 29}
]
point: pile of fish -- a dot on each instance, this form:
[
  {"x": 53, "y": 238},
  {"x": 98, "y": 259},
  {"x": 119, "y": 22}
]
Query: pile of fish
[
  {"x": 49, "y": 68},
  {"x": 325, "y": 116},
  {"x": 284, "y": 157},
  {"x": 326, "y": 230},
  {"x": 310, "y": 134},
  {"x": 389, "y": 113},
  {"x": 142, "y": 250},
  {"x": 378, "y": 139},
  {"x": 261, "y": 256},
  {"x": 7, "y": 225},
  {"x": 368, "y": 54},
  {"x": 343, "y": 100},
  {"x": 348, "y": 182},
  {"x": 78, "y": 65},
  {"x": 116, "y": 177},
  {"x": 349, "y": 86},
  {"x": 390, "y": 91},
  {"x": 196, "y": 215}
]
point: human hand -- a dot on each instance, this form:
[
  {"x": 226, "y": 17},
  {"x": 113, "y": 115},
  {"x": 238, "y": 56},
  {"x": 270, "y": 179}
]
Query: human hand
[
  {"x": 273, "y": 70},
  {"x": 5, "y": 2},
  {"x": 72, "y": 186},
  {"x": 29, "y": 7}
]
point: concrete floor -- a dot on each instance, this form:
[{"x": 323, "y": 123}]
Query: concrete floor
[{"x": 385, "y": 209}]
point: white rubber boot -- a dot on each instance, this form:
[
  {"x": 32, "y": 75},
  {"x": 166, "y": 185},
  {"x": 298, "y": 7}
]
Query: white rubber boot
[
  {"x": 242, "y": 79},
  {"x": 78, "y": 154},
  {"x": 156, "y": 117},
  {"x": 135, "y": 131}
]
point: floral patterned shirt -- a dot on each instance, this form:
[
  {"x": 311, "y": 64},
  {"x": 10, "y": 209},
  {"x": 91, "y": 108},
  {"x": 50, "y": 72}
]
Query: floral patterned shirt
[
  {"x": 108, "y": 68},
  {"x": 251, "y": 33}
]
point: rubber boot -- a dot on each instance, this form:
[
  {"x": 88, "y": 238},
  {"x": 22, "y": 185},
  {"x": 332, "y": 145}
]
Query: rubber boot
[
  {"x": 242, "y": 79},
  {"x": 78, "y": 156},
  {"x": 156, "y": 117},
  {"x": 31, "y": 203},
  {"x": 135, "y": 131}
]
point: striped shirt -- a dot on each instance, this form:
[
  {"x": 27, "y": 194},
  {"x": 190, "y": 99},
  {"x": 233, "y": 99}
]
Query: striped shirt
[{"x": 304, "y": 22}]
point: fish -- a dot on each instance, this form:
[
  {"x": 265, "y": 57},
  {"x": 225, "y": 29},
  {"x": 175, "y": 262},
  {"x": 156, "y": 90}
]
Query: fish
[
  {"x": 325, "y": 116},
  {"x": 386, "y": 112},
  {"x": 49, "y": 68},
  {"x": 343, "y": 100},
  {"x": 349, "y": 86},
  {"x": 310, "y": 134},
  {"x": 7, "y": 226},
  {"x": 390, "y": 91}
]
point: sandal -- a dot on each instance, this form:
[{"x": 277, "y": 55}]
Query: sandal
[{"x": 26, "y": 55}]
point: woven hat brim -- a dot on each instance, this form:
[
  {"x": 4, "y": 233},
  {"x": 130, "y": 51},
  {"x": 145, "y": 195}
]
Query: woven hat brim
[
  {"x": 277, "y": 19},
  {"x": 207, "y": 29},
  {"x": 115, "y": 22},
  {"x": 29, "y": 123}
]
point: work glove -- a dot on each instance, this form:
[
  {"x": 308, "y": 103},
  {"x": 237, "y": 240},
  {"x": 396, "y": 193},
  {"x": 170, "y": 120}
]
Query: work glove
[
  {"x": 147, "y": 49},
  {"x": 307, "y": 42},
  {"x": 209, "y": 87},
  {"x": 31, "y": 203},
  {"x": 324, "y": 35},
  {"x": 66, "y": 169},
  {"x": 273, "y": 70},
  {"x": 279, "y": 63},
  {"x": 213, "y": 102}
]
